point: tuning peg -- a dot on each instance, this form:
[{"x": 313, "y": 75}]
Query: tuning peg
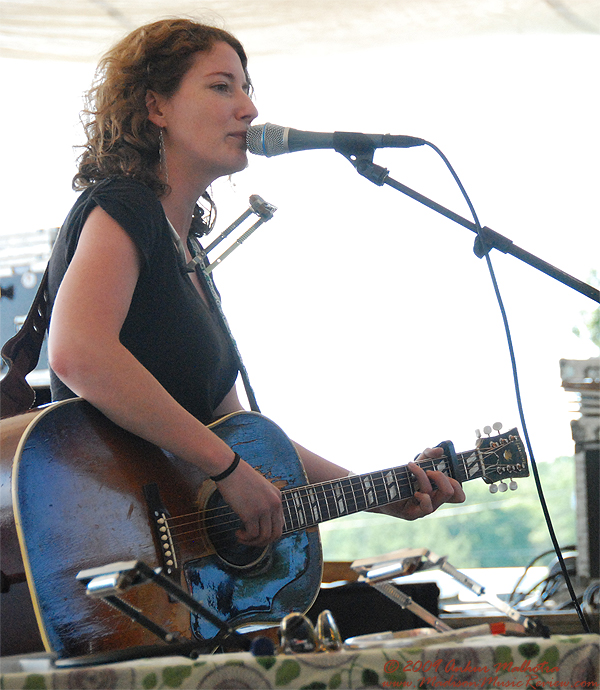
[
  {"x": 478, "y": 433},
  {"x": 487, "y": 430},
  {"x": 502, "y": 488},
  {"x": 493, "y": 488},
  {"x": 513, "y": 486},
  {"x": 497, "y": 426}
]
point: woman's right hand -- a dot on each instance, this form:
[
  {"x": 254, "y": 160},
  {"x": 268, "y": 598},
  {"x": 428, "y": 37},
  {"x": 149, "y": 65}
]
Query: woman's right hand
[{"x": 257, "y": 503}]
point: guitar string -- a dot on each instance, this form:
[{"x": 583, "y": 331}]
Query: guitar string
[
  {"x": 344, "y": 480},
  {"x": 294, "y": 520},
  {"x": 404, "y": 481},
  {"x": 288, "y": 499},
  {"x": 400, "y": 468},
  {"x": 327, "y": 495},
  {"x": 228, "y": 522}
]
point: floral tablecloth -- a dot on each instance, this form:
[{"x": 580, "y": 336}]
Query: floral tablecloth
[{"x": 483, "y": 662}]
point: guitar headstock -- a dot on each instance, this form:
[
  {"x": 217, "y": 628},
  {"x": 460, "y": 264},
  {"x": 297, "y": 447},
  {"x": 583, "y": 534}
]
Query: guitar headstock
[{"x": 502, "y": 457}]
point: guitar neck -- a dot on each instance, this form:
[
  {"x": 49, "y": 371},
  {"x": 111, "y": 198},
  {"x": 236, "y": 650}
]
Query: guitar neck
[{"x": 310, "y": 505}]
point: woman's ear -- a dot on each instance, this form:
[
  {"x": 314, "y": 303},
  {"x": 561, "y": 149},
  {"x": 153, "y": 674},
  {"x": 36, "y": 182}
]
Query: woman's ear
[{"x": 155, "y": 112}]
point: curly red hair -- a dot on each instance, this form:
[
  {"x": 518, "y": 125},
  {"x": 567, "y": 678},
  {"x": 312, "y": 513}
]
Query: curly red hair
[{"x": 120, "y": 138}]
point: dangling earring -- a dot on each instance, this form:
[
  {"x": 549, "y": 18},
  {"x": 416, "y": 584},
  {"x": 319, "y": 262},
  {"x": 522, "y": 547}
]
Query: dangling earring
[{"x": 163, "y": 156}]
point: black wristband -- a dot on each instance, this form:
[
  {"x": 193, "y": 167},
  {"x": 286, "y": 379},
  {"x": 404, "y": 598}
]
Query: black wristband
[{"x": 229, "y": 470}]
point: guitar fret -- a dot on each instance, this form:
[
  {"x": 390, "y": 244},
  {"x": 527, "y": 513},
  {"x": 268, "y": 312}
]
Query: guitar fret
[
  {"x": 329, "y": 498},
  {"x": 323, "y": 503},
  {"x": 297, "y": 498},
  {"x": 392, "y": 486},
  {"x": 471, "y": 462},
  {"x": 358, "y": 493},
  {"x": 299, "y": 520},
  {"x": 315, "y": 508},
  {"x": 337, "y": 498},
  {"x": 381, "y": 494},
  {"x": 305, "y": 497},
  {"x": 351, "y": 505},
  {"x": 368, "y": 490},
  {"x": 340, "y": 499},
  {"x": 291, "y": 524}
]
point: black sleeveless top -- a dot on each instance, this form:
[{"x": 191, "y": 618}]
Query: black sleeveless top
[{"x": 169, "y": 328}]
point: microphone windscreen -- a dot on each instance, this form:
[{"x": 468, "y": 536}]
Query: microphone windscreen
[{"x": 267, "y": 140}]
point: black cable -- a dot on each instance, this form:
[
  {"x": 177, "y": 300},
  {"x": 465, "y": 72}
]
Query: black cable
[
  {"x": 517, "y": 392},
  {"x": 531, "y": 563}
]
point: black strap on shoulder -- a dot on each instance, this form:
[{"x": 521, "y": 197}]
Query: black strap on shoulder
[
  {"x": 22, "y": 353},
  {"x": 200, "y": 262}
]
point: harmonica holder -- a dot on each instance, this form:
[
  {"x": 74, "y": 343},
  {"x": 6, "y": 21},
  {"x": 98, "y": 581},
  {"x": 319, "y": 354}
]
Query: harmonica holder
[
  {"x": 381, "y": 570},
  {"x": 259, "y": 207}
]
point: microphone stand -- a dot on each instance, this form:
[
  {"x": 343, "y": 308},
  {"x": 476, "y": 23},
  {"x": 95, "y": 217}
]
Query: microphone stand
[
  {"x": 486, "y": 239},
  {"x": 361, "y": 157}
]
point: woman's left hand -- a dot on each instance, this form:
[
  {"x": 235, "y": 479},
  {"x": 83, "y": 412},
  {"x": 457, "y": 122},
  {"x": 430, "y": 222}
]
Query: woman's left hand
[{"x": 427, "y": 499}]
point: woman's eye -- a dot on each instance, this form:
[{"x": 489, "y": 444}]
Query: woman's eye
[{"x": 221, "y": 87}]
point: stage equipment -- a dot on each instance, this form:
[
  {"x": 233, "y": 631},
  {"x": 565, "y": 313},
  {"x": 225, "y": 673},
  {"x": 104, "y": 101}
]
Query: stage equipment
[
  {"x": 271, "y": 140},
  {"x": 359, "y": 150},
  {"x": 297, "y": 635},
  {"x": 422, "y": 637},
  {"x": 328, "y": 632},
  {"x": 202, "y": 267},
  {"x": 379, "y": 572},
  {"x": 259, "y": 207},
  {"x": 109, "y": 581}
]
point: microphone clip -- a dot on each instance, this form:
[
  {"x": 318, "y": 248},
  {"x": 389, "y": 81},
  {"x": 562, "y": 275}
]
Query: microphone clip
[
  {"x": 353, "y": 145},
  {"x": 373, "y": 172},
  {"x": 359, "y": 149}
]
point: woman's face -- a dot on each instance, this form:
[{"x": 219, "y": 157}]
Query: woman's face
[{"x": 205, "y": 121}]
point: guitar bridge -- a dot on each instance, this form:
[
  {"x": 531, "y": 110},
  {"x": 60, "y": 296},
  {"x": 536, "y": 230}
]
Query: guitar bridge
[{"x": 159, "y": 516}]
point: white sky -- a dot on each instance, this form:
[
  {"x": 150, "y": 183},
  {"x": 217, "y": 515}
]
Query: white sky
[{"x": 368, "y": 326}]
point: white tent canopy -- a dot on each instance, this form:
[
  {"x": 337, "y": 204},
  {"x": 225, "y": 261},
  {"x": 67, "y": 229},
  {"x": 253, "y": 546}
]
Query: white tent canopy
[{"x": 82, "y": 29}]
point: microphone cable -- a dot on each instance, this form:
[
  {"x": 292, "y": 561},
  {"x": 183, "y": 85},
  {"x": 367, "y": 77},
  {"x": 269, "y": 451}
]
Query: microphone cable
[{"x": 517, "y": 388}]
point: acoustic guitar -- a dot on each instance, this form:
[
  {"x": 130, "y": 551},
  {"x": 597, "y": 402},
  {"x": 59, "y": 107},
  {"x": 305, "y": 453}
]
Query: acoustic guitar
[{"x": 85, "y": 493}]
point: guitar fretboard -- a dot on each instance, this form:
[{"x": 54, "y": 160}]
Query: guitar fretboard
[{"x": 310, "y": 505}]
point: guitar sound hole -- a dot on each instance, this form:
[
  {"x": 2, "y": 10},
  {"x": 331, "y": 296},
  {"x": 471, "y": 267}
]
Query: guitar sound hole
[{"x": 221, "y": 525}]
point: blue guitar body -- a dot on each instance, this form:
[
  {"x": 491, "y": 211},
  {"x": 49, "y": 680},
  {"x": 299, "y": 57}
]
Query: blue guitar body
[{"x": 86, "y": 493}]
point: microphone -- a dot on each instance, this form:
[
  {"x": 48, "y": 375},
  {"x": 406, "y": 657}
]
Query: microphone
[{"x": 272, "y": 140}]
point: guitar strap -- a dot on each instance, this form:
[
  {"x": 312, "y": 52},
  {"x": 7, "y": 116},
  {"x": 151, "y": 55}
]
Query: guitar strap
[
  {"x": 22, "y": 352},
  {"x": 198, "y": 264}
]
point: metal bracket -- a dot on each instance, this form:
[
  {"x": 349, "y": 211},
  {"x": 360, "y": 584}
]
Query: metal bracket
[
  {"x": 380, "y": 570},
  {"x": 109, "y": 581}
]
